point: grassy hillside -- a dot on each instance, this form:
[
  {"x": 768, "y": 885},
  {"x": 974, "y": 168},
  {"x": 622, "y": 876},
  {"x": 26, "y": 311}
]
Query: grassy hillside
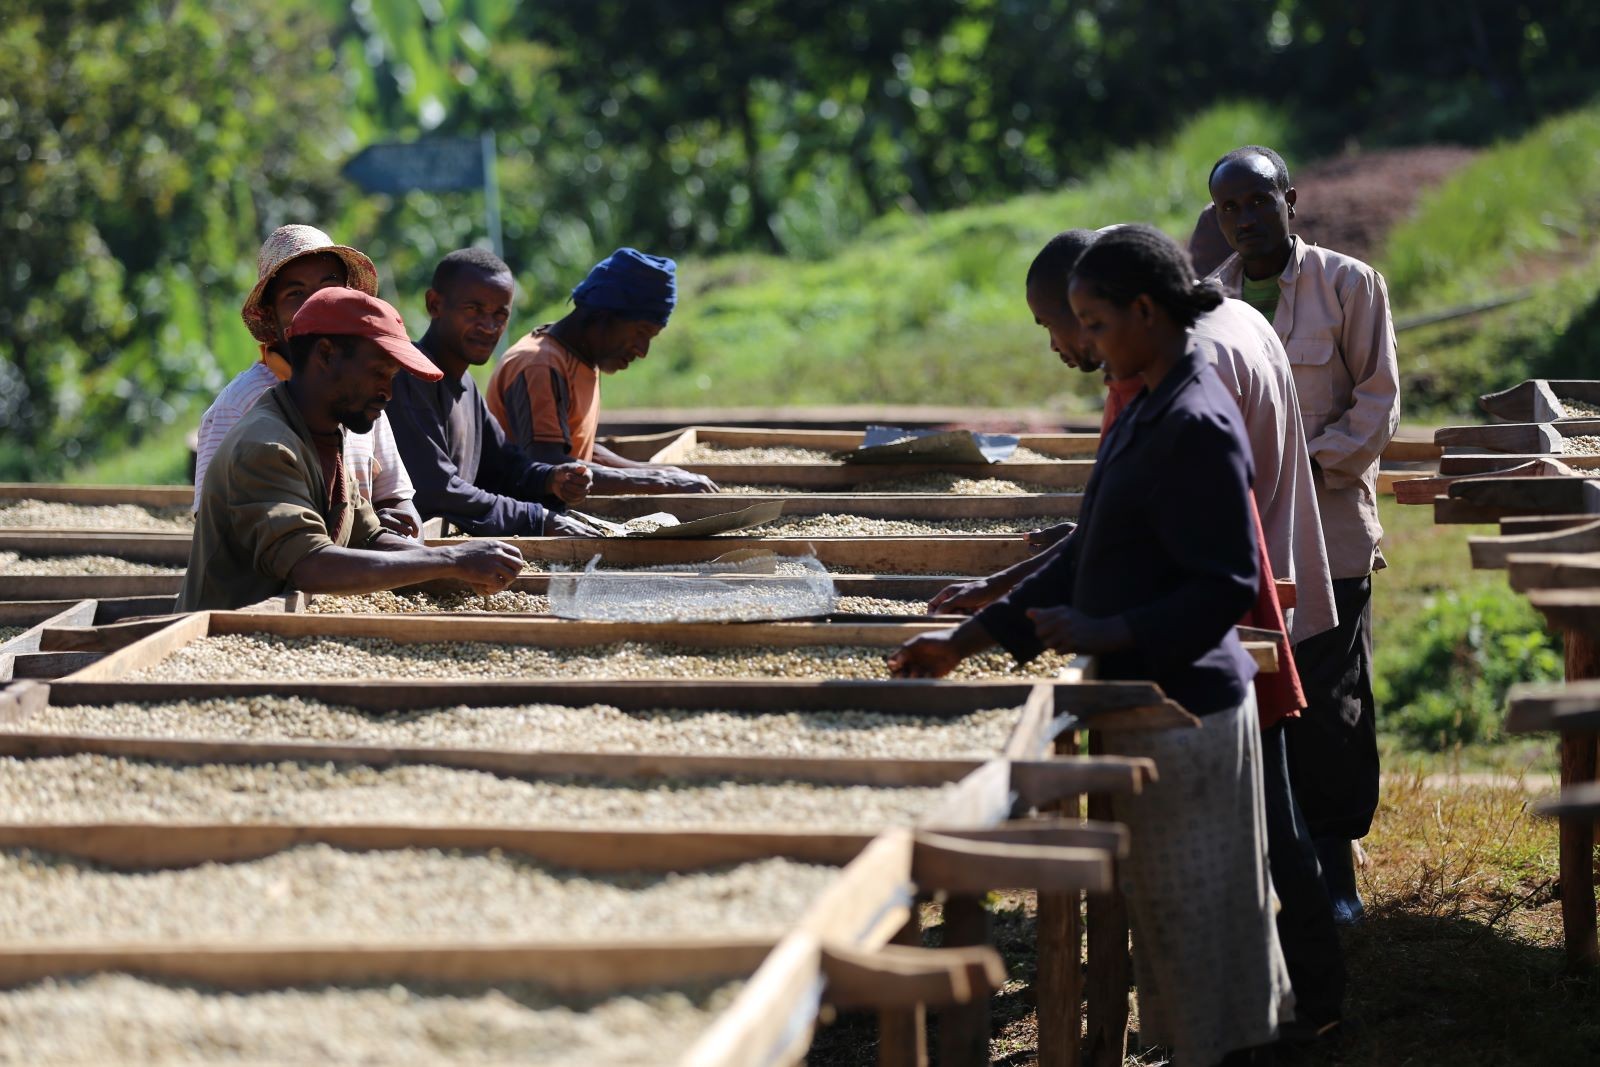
[{"x": 919, "y": 309}]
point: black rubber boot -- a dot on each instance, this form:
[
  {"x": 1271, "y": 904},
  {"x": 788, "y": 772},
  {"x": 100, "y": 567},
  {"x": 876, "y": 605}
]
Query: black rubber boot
[{"x": 1339, "y": 875}]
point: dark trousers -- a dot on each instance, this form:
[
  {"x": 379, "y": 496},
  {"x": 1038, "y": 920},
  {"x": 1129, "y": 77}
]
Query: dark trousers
[
  {"x": 1333, "y": 746},
  {"x": 1305, "y": 922}
]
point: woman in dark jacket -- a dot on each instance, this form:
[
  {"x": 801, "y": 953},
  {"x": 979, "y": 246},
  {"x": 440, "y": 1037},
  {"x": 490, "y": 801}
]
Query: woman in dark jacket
[{"x": 1162, "y": 566}]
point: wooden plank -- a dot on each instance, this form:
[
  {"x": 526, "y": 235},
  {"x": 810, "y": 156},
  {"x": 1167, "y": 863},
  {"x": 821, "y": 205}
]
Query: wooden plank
[
  {"x": 956, "y": 865},
  {"x": 959, "y": 554},
  {"x": 1554, "y": 570},
  {"x": 964, "y": 1029},
  {"x": 1053, "y": 831},
  {"x": 1044, "y": 783},
  {"x": 51, "y": 664},
  {"x": 902, "y": 977},
  {"x": 535, "y": 764},
  {"x": 1030, "y": 737},
  {"x": 1527, "y": 401},
  {"x": 903, "y": 1032},
  {"x": 150, "y": 496},
  {"x": 144, "y": 846},
  {"x": 22, "y": 700},
  {"x": 1580, "y": 766},
  {"x": 1494, "y": 553},
  {"x": 1492, "y": 462},
  {"x": 1533, "y": 438},
  {"x": 149, "y": 650},
  {"x": 1424, "y": 490},
  {"x": 1108, "y": 978},
  {"x": 166, "y": 548},
  {"x": 570, "y": 969},
  {"x": 69, "y": 637},
  {"x": 1576, "y": 611},
  {"x": 1448, "y": 512},
  {"x": 89, "y": 587},
  {"x": 28, "y": 642},
  {"x": 31, "y": 613},
  {"x": 1535, "y": 495},
  {"x": 640, "y": 447},
  {"x": 772, "y": 1020},
  {"x": 1532, "y": 400},
  {"x": 1521, "y": 524},
  {"x": 564, "y": 633},
  {"x": 1535, "y": 708},
  {"x": 1578, "y": 803},
  {"x": 911, "y": 697},
  {"x": 941, "y": 506},
  {"x": 871, "y": 898},
  {"x": 1409, "y": 446}
]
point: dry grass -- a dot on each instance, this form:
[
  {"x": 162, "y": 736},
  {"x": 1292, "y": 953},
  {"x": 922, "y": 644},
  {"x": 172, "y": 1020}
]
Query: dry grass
[{"x": 1459, "y": 962}]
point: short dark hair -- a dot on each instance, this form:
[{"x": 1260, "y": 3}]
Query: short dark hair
[
  {"x": 1053, "y": 265},
  {"x": 1280, "y": 170},
  {"x": 480, "y": 261},
  {"x": 301, "y": 347},
  {"x": 1135, "y": 259}
]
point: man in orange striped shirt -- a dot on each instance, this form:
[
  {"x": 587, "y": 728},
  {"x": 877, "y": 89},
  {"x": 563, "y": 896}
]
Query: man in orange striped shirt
[{"x": 546, "y": 391}]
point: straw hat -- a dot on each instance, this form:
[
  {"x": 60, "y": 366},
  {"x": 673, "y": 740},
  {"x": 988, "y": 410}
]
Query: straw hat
[{"x": 289, "y": 243}]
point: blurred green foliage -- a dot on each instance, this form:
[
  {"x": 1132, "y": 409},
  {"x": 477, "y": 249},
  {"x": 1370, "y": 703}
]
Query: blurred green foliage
[
  {"x": 146, "y": 147},
  {"x": 1445, "y": 684},
  {"x": 1533, "y": 197}
]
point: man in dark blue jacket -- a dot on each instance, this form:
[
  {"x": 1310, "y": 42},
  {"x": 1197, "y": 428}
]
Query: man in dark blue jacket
[{"x": 463, "y": 468}]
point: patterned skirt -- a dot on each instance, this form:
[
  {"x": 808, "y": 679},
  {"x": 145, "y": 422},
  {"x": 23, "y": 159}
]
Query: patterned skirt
[{"x": 1210, "y": 972}]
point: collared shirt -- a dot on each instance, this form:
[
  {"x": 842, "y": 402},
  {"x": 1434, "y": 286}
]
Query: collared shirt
[
  {"x": 372, "y": 458},
  {"x": 464, "y": 470},
  {"x": 542, "y": 393},
  {"x": 1333, "y": 318},
  {"x": 1166, "y": 540},
  {"x": 1251, "y": 362},
  {"x": 265, "y": 507}
]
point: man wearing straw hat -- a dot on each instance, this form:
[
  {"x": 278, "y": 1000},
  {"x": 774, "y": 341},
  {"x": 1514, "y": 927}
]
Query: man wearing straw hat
[
  {"x": 279, "y": 508},
  {"x": 294, "y": 262}
]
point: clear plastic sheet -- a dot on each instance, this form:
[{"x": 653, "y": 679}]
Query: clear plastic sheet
[{"x": 738, "y": 587}]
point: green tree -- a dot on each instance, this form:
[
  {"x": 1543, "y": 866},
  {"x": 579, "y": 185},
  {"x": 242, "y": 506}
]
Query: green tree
[{"x": 146, "y": 145}]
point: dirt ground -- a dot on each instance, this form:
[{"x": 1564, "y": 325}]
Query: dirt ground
[{"x": 1349, "y": 203}]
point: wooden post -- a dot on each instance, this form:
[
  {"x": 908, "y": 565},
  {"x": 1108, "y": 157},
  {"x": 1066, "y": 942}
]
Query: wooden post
[
  {"x": 1578, "y": 766},
  {"x": 1107, "y": 988},
  {"x": 902, "y": 1032},
  {"x": 1058, "y": 982},
  {"x": 964, "y": 1029}
]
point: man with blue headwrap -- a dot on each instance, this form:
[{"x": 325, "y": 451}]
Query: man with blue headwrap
[{"x": 546, "y": 391}]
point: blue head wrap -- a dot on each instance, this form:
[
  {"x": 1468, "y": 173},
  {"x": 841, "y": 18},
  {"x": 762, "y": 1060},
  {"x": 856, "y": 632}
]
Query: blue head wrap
[{"x": 634, "y": 285}]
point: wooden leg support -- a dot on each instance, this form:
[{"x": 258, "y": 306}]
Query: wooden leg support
[
  {"x": 964, "y": 1029},
  {"x": 1107, "y": 990},
  {"x": 1058, "y": 985},
  {"x": 903, "y": 1033},
  {"x": 1578, "y": 766}
]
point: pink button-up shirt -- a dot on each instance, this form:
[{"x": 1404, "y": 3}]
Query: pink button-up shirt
[{"x": 1333, "y": 318}]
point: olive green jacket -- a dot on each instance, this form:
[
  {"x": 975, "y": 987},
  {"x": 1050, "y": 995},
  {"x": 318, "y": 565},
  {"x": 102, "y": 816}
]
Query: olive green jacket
[{"x": 263, "y": 509}]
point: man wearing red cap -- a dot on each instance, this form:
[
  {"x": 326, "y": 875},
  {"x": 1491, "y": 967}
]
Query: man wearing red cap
[{"x": 279, "y": 508}]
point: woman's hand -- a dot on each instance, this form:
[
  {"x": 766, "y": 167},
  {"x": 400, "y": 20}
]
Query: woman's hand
[
  {"x": 927, "y": 656},
  {"x": 1070, "y": 630}
]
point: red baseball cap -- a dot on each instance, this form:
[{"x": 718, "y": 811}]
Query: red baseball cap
[{"x": 352, "y": 313}]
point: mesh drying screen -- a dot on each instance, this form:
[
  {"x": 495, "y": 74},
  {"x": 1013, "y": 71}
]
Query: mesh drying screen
[{"x": 739, "y": 587}]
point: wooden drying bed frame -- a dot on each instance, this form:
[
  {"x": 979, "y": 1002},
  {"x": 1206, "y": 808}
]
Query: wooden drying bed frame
[
  {"x": 553, "y": 633},
  {"x": 966, "y": 859}
]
